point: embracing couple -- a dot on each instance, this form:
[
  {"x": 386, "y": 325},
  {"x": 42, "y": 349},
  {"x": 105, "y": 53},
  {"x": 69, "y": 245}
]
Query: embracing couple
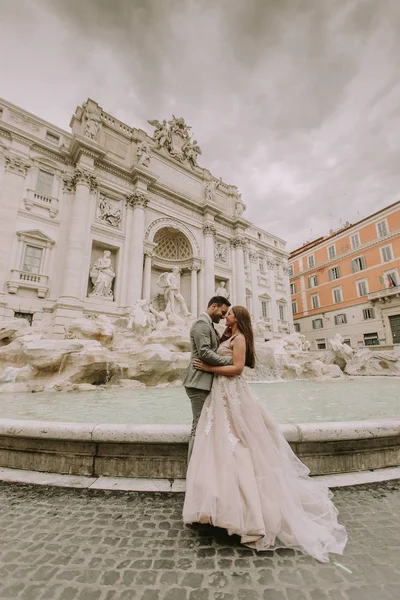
[{"x": 243, "y": 476}]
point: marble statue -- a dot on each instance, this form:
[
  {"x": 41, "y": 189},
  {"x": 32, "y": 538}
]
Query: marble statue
[
  {"x": 209, "y": 191},
  {"x": 143, "y": 154},
  {"x": 108, "y": 213},
  {"x": 174, "y": 301},
  {"x": 239, "y": 209},
  {"x": 92, "y": 124},
  {"x": 191, "y": 151},
  {"x": 221, "y": 290},
  {"x": 161, "y": 133},
  {"x": 102, "y": 275}
]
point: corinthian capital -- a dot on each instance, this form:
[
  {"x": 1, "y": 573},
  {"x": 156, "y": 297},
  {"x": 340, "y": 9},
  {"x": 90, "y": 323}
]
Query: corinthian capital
[
  {"x": 209, "y": 229},
  {"x": 253, "y": 256},
  {"x": 17, "y": 164},
  {"x": 239, "y": 242},
  {"x": 84, "y": 177},
  {"x": 68, "y": 183},
  {"x": 137, "y": 198}
]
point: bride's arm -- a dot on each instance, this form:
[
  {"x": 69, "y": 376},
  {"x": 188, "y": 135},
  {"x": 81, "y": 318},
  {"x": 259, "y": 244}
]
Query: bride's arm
[{"x": 238, "y": 359}]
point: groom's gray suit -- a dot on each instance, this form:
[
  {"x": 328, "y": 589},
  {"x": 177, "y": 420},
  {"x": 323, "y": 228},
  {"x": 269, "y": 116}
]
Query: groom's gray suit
[{"x": 204, "y": 343}]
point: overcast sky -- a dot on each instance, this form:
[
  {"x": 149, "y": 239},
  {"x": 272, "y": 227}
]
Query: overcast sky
[{"x": 295, "y": 102}]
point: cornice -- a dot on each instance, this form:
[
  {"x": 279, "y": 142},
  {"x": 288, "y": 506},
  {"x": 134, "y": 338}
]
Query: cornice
[
  {"x": 106, "y": 232},
  {"x": 143, "y": 175},
  {"x": 85, "y": 146}
]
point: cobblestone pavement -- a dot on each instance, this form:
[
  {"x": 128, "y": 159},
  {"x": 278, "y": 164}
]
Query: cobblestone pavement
[{"x": 64, "y": 544}]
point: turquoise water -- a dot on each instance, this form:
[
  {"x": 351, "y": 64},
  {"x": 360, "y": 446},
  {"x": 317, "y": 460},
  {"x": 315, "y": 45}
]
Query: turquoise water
[{"x": 289, "y": 401}]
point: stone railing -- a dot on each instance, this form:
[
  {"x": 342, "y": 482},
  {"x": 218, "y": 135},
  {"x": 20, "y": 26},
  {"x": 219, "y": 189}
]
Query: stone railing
[
  {"x": 50, "y": 203},
  {"x": 25, "y": 279},
  {"x": 383, "y": 295}
]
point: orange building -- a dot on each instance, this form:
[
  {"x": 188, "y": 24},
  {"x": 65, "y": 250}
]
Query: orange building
[{"x": 348, "y": 283}]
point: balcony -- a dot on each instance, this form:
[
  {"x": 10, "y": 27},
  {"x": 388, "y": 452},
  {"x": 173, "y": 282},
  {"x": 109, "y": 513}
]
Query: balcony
[
  {"x": 32, "y": 281},
  {"x": 49, "y": 203},
  {"x": 385, "y": 295},
  {"x": 283, "y": 326}
]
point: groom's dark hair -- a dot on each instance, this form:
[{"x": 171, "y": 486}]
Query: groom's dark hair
[{"x": 219, "y": 301}]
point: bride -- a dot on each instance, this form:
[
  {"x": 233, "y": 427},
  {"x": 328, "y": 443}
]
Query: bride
[{"x": 243, "y": 476}]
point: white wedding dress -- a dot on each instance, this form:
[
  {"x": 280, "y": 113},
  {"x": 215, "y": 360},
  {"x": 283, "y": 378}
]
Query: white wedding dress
[{"x": 243, "y": 476}]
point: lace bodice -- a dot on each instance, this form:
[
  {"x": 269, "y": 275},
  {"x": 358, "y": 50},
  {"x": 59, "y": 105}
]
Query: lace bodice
[{"x": 225, "y": 349}]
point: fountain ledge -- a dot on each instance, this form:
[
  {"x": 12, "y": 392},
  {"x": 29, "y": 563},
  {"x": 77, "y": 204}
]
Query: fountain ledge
[
  {"x": 179, "y": 434},
  {"x": 158, "y": 452}
]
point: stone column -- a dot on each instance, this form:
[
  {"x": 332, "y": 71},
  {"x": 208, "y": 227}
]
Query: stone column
[
  {"x": 274, "y": 308},
  {"x": 254, "y": 284},
  {"x": 12, "y": 191},
  {"x": 194, "y": 291},
  {"x": 209, "y": 232},
  {"x": 148, "y": 255},
  {"x": 73, "y": 289},
  {"x": 137, "y": 202},
  {"x": 239, "y": 243}
]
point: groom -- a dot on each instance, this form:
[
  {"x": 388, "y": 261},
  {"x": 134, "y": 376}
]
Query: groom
[{"x": 204, "y": 341}]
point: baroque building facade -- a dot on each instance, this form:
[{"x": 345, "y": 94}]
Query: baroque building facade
[
  {"x": 94, "y": 220},
  {"x": 349, "y": 283}
]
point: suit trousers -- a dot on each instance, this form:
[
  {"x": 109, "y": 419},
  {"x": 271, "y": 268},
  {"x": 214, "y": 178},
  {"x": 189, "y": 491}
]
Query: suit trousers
[{"x": 197, "y": 399}]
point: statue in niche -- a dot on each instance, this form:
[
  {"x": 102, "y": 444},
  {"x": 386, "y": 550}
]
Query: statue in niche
[
  {"x": 143, "y": 153},
  {"x": 102, "y": 275},
  {"x": 175, "y": 304},
  {"x": 92, "y": 124},
  {"x": 221, "y": 290},
  {"x": 108, "y": 213}
]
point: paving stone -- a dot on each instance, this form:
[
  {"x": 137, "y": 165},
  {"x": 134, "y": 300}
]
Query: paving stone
[{"x": 65, "y": 544}]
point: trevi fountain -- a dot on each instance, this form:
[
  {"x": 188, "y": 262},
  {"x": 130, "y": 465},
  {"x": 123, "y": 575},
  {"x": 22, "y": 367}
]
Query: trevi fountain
[{"x": 113, "y": 241}]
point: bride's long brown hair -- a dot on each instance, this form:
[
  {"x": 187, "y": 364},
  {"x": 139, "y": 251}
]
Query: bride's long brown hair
[{"x": 244, "y": 326}]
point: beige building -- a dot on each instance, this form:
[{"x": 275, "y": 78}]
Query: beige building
[
  {"x": 349, "y": 283},
  {"x": 95, "y": 219}
]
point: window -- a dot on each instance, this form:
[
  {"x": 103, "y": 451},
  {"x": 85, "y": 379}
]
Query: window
[
  {"x": 264, "y": 309},
  {"x": 317, "y": 324},
  {"x": 291, "y": 271},
  {"x": 362, "y": 287},
  {"x": 348, "y": 342},
  {"x": 387, "y": 253},
  {"x": 340, "y": 319},
  {"x": 259, "y": 235},
  {"x": 358, "y": 264},
  {"x": 44, "y": 183},
  {"x": 337, "y": 295},
  {"x": 368, "y": 313},
  {"x": 294, "y": 308},
  {"x": 282, "y": 312},
  {"x": 382, "y": 229},
  {"x": 321, "y": 344},
  {"x": 331, "y": 252},
  {"x": 261, "y": 265},
  {"x": 292, "y": 288},
  {"x": 391, "y": 279},
  {"x": 1, "y": 112},
  {"x": 371, "y": 339},
  {"x": 32, "y": 259},
  {"x": 334, "y": 273},
  {"x": 312, "y": 281},
  {"x": 311, "y": 261},
  {"x": 52, "y": 137},
  {"x": 315, "y": 301},
  {"x": 355, "y": 241},
  {"x": 297, "y": 327}
]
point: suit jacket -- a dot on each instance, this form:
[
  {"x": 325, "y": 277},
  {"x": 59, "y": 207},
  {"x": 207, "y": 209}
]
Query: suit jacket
[{"x": 204, "y": 345}]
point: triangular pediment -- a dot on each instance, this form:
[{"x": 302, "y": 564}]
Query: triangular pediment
[{"x": 35, "y": 234}]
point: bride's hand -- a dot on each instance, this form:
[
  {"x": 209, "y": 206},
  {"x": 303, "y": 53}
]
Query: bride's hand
[{"x": 200, "y": 365}]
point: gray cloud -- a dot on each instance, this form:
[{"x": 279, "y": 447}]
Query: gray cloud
[{"x": 296, "y": 102}]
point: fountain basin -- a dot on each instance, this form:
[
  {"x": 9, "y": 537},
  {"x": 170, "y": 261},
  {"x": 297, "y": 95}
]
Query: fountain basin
[{"x": 159, "y": 451}]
